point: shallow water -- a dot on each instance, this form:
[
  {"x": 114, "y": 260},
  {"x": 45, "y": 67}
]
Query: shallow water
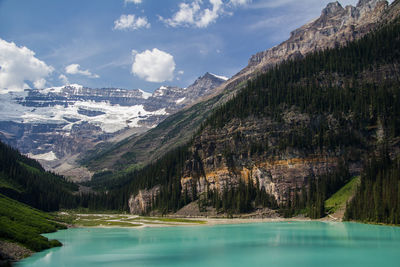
[{"x": 300, "y": 244}]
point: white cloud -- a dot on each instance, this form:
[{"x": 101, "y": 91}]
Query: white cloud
[
  {"x": 76, "y": 69},
  {"x": 133, "y": 1},
  {"x": 181, "y": 72},
  {"x": 195, "y": 15},
  {"x": 63, "y": 78},
  {"x": 131, "y": 22},
  {"x": 201, "y": 13},
  {"x": 153, "y": 65},
  {"x": 239, "y": 2},
  {"x": 40, "y": 83},
  {"x": 18, "y": 65}
]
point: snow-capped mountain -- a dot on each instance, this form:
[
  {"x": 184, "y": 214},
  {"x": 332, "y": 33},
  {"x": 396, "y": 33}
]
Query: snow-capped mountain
[
  {"x": 109, "y": 109},
  {"x": 56, "y": 123}
]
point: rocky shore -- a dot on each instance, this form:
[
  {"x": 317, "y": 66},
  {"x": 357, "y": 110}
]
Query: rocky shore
[{"x": 12, "y": 252}]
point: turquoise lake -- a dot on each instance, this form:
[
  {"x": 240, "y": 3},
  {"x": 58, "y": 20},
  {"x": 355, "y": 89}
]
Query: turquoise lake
[{"x": 300, "y": 244}]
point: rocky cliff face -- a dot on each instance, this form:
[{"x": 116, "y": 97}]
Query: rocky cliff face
[
  {"x": 252, "y": 150},
  {"x": 141, "y": 203}
]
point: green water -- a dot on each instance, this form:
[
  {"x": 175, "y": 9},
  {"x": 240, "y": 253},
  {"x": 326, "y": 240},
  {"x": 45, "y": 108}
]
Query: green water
[{"x": 300, "y": 244}]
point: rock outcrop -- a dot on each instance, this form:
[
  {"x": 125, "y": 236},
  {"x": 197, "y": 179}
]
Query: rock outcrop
[
  {"x": 140, "y": 203},
  {"x": 279, "y": 177}
]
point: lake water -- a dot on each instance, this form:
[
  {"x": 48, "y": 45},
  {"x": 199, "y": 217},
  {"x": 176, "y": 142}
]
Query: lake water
[{"x": 300, "y": 244}]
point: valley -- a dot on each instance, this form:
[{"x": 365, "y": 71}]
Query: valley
[{"x": 306, "y": 135}]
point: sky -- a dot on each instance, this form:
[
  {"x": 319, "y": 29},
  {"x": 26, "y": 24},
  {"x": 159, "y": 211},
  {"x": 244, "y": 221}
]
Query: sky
[{"x": 136, "y": 44}]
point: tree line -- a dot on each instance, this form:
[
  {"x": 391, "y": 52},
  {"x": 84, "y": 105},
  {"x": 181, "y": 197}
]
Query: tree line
[{"x": 378, "y": 197}]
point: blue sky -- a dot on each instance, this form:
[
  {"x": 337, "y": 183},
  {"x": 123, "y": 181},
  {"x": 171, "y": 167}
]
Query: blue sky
[{"x": 117, "y": 43}]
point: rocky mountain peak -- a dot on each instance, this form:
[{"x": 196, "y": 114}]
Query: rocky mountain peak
[
  {"x": 332, "y": 9},
  {"x": 202, "y": 86},
  {"x": 207, "y": 76}
]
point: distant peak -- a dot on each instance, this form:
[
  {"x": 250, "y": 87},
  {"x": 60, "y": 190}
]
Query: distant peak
[{"x": 332, "y": 9}]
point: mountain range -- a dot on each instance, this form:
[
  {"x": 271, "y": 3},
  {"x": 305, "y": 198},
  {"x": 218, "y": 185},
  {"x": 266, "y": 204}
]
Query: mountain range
[{"x": 56, "y": 125}]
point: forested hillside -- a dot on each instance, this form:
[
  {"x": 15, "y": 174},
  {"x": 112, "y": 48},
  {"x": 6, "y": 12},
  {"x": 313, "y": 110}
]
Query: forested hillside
[
  {"x": 349, "y": 96},
  {"x": 378, "y": 197},
  {"x": 22, "y": 224},
  {"x": 25, "y": 180}
]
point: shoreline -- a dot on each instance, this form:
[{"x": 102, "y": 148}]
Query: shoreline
[{"x": 135, "y": 221}]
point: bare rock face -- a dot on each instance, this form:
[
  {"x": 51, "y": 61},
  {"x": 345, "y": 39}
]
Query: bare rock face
[
  {"x": 214, "y": 168},
  {"x": 278, "y": 177},
  {"x": 141, "y": 203},
  {"x": 251, "y": 150}
]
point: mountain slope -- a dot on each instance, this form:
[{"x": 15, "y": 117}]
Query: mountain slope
[
  {"x": 25, "y": 180},
  {"x": 335, "y": 24},
  {"x": 299, "y": 131},
  {"x": 22, "y": 224},
  {"x": 301, "y": 119}
]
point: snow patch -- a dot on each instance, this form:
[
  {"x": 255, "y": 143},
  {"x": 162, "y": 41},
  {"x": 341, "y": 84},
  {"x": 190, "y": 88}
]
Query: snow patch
[
  {"x": 180, "y": 100},
  {"x": 59, "y": 89},
  {"x": 160, "y": 91},
  {"x": 220, "y": 77},
  {"x": 145, "y": 95},
  {"x": 49, "y": 156},
  {"x": 116, "y": 117}
]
